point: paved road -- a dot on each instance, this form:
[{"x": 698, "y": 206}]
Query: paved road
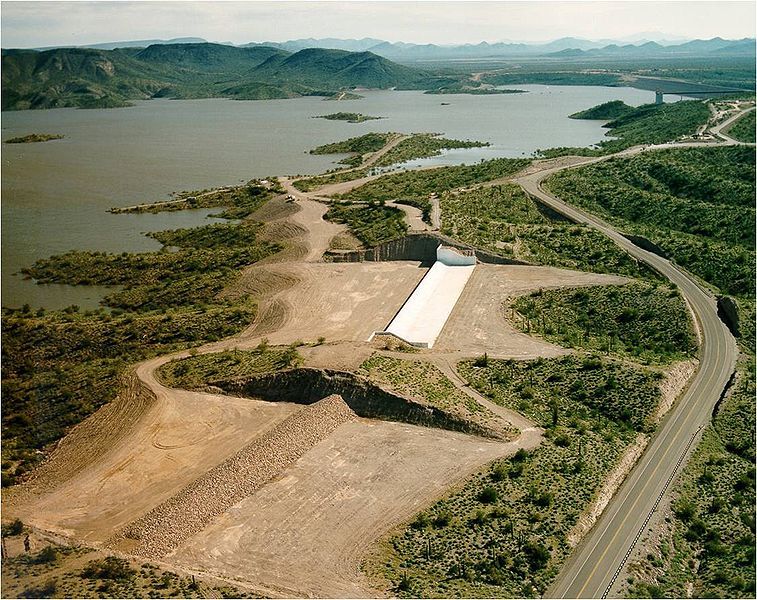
[
  {"x": 717, "y": 130},
  {"x": 591, "y": 569}
]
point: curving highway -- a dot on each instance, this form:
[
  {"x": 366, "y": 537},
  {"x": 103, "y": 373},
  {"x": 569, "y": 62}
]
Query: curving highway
[{"x": 593, "y": 566}]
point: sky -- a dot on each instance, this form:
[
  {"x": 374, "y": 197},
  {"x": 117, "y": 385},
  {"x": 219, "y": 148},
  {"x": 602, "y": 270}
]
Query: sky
[{"x": 37, "y": 24}]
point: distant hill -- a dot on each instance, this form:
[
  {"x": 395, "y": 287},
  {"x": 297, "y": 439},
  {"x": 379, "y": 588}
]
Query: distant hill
[
  {"x": 131, "y": 44},
  {"x": 208, "y": 57},
  {"x": 562, "y": 48},
  {"x": 84, "y": 77},
  {"x": 328, "y": 43},
  {"x": 320, "y": 67},
  {"x": 695, "y": 48},
  {"x": 646, "y": 45}
]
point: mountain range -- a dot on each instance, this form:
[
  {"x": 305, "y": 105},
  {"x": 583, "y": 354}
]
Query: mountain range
[
  {"x": 109, "y": 77},
  {"x": 567, "y": 47},
  {"x": 562, "y": 48},
  {"x": 88, "y": 77}
]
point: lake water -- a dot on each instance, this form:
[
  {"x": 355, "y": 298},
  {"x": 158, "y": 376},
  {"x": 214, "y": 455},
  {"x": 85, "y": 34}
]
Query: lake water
[{"x": 55, "y": 195}]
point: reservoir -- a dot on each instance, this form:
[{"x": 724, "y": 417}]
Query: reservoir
[{"x": 55, "y": 195}]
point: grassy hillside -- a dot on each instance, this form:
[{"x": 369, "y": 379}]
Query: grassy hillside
[
  {"x": 506, "y": 221},
  {"x": 92, "y": 78},
  {"x": 370, "y": 223},
  {"x": 319, "y": 67},
  {"x": 647, "y": 124},
  {"x": 744, "y": 128},
  {"x": 697, "y": 204},
  {"x": 641, "y": 321}
]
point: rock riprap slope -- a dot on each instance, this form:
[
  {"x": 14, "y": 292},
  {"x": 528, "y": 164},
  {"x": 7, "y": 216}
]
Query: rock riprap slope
[{"x": 169, "y": 524}]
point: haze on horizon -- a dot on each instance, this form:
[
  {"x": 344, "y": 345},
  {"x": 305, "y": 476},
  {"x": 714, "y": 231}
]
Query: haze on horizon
[{"x": 38, "y": 24}]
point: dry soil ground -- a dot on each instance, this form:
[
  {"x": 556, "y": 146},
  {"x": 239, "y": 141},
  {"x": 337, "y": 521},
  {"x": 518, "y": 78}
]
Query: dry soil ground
[{"x": 305, "y": 531}]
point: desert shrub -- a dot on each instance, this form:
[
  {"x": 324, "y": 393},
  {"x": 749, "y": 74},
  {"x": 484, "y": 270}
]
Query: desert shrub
[
  {"x": 488, "y": 495},
  {"x": 48, "y": 554},
  {"x": 643, "y": 321},
  {"x": 370, "y": 223},
  {"x": 110, "y": 567},
  {"x": 48, "y": 589},
  {"x": 15, "y": 527}
]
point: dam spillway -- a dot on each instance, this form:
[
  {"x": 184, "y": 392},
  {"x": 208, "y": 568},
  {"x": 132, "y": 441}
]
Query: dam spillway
[{"x": 423, "y": 315}]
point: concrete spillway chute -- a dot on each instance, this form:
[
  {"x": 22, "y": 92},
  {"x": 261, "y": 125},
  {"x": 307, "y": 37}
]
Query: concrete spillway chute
[{"x": 423, "y": 315}]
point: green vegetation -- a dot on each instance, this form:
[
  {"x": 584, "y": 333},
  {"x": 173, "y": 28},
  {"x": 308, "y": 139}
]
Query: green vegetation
[
  {"x": 15, "y": 527},
  {"x": 647, "y": 124},
  {"x": 419, "y": 145},
  {"x": 506, "y": 221},
  {"x": 331, "y": 177},
  {"x": 710, "y": 543},
  {"x": 605, "y": 112},
  {"x": 350, "y": 117},
  {"x": 57, "y": 572},
  {"x": 423, "y": 145},
  {"x": 371, "y": 223},
  {"x": 642, "y": 321},
  {"x": 415, "y": 187},
  {"x": 34, "y": 137},
  {"x": 696, "y": 204},
  {"x": 424, "y": 381},
  {"x": 202, "y": 370},
  {"x": 207, "y": 259},
  {"x": 582, "y": 386},
  {"x": 360, "y": 147},
  {"x": 60, "y": 366},
  {"x": 364, "y": 144},
  {"x": 239, "y": 202},
  {"x": 743, "y": 128},
  {"x": 504, "y": 532}
]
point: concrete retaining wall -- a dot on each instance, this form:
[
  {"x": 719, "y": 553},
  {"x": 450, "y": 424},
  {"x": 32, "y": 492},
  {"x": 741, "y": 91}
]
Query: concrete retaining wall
[
  {"x": 416, "y": 246},
  {"x": 454, "y": 257}
]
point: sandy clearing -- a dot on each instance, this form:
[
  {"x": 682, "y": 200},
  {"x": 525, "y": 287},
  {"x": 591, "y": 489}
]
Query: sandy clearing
[
  {"x": 477, "y": 323},
  {"x": 181, "y": 437},
  {"x": 344, "y": 301},
  {"x": 305, "y": 533},
  {"x": 319, "y": 231}
]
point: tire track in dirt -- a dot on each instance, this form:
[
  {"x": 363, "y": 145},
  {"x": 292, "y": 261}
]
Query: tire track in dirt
[{"x": 88, "y": 442}]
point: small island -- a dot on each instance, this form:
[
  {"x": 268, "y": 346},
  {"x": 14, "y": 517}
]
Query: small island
[
  {"x": 34, "y": 137},
  {"x": 350, "y": 117}
]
